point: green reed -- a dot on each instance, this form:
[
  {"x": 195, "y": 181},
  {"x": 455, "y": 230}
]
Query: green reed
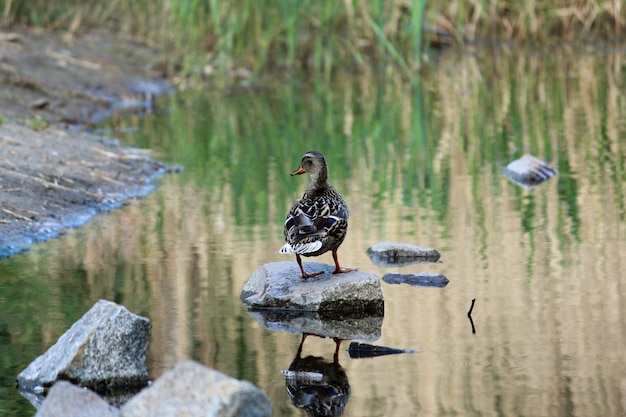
[{"x": 240, "y": 37}]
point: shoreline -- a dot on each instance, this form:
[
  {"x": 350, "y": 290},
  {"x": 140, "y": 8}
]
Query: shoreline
[{"x": 54, "y": 175}]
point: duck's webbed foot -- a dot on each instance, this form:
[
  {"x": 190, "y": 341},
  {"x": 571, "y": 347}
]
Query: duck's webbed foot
[
  {"x": 304, "y": 274},
  {"x": 338, "y": 269}
]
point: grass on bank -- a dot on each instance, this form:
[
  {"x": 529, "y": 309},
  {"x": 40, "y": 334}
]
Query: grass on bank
[{"x": 320, "y": 36}]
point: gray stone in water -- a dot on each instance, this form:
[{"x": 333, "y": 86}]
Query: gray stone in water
[
  {"x": 105, "y": 350},
  {"x": 68, "y": 400},
  {"x": 278, "y": 285},
  {"x": 529, "y": 171},
  {"x": 361, "y": 327},
  {"x": 191, "y": 389},
  {"x": 423, "y": 279},
  {"x": 384, "y": 254}
]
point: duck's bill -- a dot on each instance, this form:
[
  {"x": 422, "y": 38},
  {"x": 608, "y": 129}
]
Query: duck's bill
[{"x": 298, "y": 171}]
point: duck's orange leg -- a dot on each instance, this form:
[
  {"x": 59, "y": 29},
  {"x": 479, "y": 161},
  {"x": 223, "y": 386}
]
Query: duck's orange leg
[
  {"x": 338, "y": 269},
  {"x": 304, "y": 274}
]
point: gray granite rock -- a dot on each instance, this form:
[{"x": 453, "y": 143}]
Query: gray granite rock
[
  {"x": 422, "y": 279},
  {"x": 67, "y": 400},
  {"x": 278, "y": 285},
  {"x": 103, "y": 350},
  {"x": 342, "y": 327},
  {"x": 384, "y": 254},
  {"x": 529, "y": 171},
  {"x": 191, "y": 389}
]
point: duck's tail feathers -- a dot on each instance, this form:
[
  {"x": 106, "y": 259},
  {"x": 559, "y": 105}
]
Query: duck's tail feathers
[
  {"x": 301, "y": 247},
  {"x": 286, "y": 249}
]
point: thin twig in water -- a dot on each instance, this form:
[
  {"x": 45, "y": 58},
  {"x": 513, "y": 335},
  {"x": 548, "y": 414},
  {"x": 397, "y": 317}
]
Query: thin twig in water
[{"x": 469, "y": 316}]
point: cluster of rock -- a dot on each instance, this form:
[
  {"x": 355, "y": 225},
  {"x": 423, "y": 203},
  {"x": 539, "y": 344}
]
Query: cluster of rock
[
  {"x": 97, "y": 368},
  {"x": 393, "y": 254}
]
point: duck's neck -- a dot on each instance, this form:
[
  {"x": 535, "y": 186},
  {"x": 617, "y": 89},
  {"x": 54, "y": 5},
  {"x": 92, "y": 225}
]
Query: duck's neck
[{"x": 319, "y": 179}]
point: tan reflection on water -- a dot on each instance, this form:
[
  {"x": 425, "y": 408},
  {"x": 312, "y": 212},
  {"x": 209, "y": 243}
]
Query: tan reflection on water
[{"x": 550, "y": 298}]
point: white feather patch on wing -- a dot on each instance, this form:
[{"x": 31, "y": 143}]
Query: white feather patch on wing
[
  {"x": 307, "y": 247},
  {"x": 286, "y": 249}
]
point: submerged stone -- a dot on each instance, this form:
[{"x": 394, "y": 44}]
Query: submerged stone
[
  {"x": 359, "y": 350},
  {"x": 529, "y": 171},
  {"x": 278, "y": 285},
  {"x": 105, "y": 351},
  {"x": 422, "y": 279},
  {"x": 193, "y": 390},
  {"x": 66, "y": 399},
  {"x": 384, "y": 254}
]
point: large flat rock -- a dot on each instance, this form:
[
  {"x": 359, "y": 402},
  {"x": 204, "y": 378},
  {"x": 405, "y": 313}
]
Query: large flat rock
[
  {"x": 278, "y": 285},
  {"x": 105, "y": 349},
  {"x": 191, "y": 389}
]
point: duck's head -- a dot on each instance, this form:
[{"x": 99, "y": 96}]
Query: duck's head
[{"x": 314, "y": 163}]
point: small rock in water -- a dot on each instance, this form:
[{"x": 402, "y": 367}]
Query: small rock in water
[
  {"x": 359, "y": 350},
  {"x": 384, "y": 254},
  {"x": 278, "y": 285},
  {"x": 194, "y": 390},
  {"x": 423, "y": 279},
  {"x": 104, "y": 350},
  {"x": 529, "y": 171}
]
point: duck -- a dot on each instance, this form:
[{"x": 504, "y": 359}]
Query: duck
[{"x": 318, "y": 222}]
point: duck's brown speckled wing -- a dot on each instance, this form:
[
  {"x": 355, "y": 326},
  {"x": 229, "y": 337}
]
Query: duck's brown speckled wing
[{"x": 316, "y": 224}]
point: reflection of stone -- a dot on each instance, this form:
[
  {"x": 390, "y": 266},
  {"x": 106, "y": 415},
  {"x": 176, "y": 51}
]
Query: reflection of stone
[
  {"x": 529, "y": 171},
  {"x": 343, "y": 327},
  {"x": 317, "y": 386},
  {"x": 105, "y": 351},
  {"x": 363, "y": 350},
  {"x": 384, "y": 254},
  {"x": 422, "y": 279},
  {"x": 278, "y": 285}
]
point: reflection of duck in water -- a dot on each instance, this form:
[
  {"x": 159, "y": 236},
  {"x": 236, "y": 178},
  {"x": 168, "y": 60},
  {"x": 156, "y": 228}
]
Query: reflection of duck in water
[{"x": 318, "y": 387}]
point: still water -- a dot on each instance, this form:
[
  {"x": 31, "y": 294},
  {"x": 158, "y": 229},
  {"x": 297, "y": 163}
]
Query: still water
[{"x": 418, "y": 164}]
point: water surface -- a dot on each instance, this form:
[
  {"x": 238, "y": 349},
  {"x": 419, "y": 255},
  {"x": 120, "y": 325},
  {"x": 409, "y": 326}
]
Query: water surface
[{"x": 417, "y": 163}]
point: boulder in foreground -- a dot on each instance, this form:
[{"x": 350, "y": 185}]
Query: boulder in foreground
[
  {"x": 105, "y": 350},
  {"x": 384, "y": 254},
  {"x": 193, "y": 390},
  {"x": 67, "y": 400},
  {"x": 278, "y": 285}
]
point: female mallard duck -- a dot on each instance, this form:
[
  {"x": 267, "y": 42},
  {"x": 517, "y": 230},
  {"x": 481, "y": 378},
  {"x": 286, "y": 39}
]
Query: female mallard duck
[{"x": 318, "y": 222}]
